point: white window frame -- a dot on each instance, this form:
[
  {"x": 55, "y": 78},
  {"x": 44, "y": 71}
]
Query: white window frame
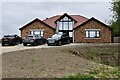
[
  {"x": 88, "y": 36},
  {"x": 63, "y": 25},
  {"x": 37, "y": 30}
]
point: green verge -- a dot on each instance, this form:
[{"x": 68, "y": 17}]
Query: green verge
[
  {"x": 106, "y": 54},
  {"x": 102, "y": 72}
]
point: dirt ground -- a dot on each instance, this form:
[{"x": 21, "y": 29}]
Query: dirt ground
[{"x": 44, "y": 62}]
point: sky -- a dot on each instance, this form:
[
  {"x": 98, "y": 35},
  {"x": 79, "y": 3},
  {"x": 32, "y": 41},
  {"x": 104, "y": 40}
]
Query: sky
[{"x": 16, "y": 14}]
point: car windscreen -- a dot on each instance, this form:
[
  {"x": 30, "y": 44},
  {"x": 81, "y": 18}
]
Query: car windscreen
[
  {"x": 56, "y": 35},
  {"x": 8, "y": 36}
]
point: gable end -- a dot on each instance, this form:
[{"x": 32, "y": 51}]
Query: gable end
[{"x": 94, "y": 20}]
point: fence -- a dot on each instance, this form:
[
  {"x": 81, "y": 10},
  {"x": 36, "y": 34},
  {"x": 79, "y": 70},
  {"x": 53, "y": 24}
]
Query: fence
[{"x": 116, "y": 40}]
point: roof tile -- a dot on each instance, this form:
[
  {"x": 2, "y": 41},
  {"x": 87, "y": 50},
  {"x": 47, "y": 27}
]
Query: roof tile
[{"x": 51, "y": 21}]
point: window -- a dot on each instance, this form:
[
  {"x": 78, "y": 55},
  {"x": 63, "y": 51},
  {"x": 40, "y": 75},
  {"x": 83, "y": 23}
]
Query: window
[
  {"x": 30, "y": 32},
  {"x": 65, "y": 18},
  {"x": 70, "y": 25},
  {"x": 33, "y": 32},
  {"x": 37, "y": 36},
  {"x": 71, "y": 34},
  {"x": 65, "y": 24},
  {"x": 60, "y": 25},
  {"x": 41, "y": 33},
  {"x": 92, "y": 34},
  {"x": 37, "y": 32},
  {"x": 60, "y": 32}
]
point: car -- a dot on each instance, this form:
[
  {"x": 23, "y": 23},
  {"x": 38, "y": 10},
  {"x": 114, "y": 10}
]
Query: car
[
  {"x": 58, "y": 39},
  {"x": 11, "y": 40},
  {"x": 33, "y": 40}
]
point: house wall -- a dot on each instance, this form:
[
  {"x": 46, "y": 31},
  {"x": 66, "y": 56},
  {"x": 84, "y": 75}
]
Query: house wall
[
  {"x": 38, "y": 25},
  {"x": 105, "y": 33}
]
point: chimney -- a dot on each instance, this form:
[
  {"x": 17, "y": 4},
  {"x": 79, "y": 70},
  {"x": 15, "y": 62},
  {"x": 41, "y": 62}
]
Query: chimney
[{"x": 46, "y": 18}]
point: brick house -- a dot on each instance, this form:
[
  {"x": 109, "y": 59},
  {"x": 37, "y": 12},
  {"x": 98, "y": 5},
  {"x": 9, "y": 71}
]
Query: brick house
[{"x": 80, "y": 29}]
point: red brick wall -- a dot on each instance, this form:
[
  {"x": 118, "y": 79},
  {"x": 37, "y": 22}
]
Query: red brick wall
[
  {"x": 38, "y": 25},
  {"x": 105, "y": 33}
]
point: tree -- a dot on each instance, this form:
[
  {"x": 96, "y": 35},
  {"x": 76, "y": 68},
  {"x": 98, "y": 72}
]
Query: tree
[{"x": 116, "y": 18}]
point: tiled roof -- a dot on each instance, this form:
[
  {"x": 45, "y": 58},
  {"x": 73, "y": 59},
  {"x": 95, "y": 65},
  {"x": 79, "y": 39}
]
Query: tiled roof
[
  {"x": 94, "y": 20},
  {"x": 51, "y": 21},
  {"x": 33, "y": 22}
]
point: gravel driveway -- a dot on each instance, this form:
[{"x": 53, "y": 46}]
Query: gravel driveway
[{"x": 5, "y": 49}]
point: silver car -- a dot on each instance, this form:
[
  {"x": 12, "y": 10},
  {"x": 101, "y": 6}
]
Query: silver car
[{"x": 34, "y": 40}]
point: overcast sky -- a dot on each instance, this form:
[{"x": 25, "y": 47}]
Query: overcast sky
[{"x": 17, "y": 14}]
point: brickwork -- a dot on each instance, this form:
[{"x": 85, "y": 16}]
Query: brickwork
[
  {"x": 38, "y": 25},
  {"x": 105, "y": 33}
]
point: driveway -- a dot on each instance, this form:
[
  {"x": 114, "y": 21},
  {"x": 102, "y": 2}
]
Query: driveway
[{"x": 4, "y": 49}]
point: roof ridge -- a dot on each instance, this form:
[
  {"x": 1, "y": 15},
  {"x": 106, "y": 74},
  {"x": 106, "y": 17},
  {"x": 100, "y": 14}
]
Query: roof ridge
[
  {"x": 61, "y": 15},
  {"x": 33, "y": 21},
  {"x": 80, "y": 16},
  {"x": 50, "y": 17},
  {"x": 92, "y": 18}
]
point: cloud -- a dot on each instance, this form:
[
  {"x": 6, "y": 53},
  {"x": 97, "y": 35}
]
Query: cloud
[
  {"x": 17, "y": 14},
  {"x": 55, "y": 0}
]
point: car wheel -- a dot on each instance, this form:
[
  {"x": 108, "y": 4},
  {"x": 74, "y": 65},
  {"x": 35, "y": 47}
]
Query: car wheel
[
  {"x": 48, "y": 44},
  {"x": 35, "y": 43},
  {"x": 20, "y": 41},
  {"x": 12, "y": 44},
  {"x": 24, "y": 44},
  {"x": 59, "y": 43},
  {"x": 3, "y": 44},
  {"x": 44, "y": 41}
]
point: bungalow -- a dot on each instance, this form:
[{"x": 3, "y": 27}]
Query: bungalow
[{"x": 80, "y": 29}]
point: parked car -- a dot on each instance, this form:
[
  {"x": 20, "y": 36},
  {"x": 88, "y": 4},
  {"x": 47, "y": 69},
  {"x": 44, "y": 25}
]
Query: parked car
[
  {"x": 58, "y": 39},
  {"x": 34, "y": 40},
  {"x": 11, "y": 40},
  {"x": 0, "y": 40}
]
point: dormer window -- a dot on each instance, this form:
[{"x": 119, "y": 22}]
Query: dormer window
[{"x": 65, "y": 24}]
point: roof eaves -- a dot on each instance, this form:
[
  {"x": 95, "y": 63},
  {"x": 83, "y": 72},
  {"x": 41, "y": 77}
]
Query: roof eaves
[
  {"x": 95, "y": 20},
  {"x": 65, "y": 14},
  {"x": 34, "y": 21}
]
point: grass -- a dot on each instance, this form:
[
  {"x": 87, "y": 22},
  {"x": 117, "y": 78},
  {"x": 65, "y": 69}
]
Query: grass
[
  {"x": 105, "y": 54},
  {"x": 108, "y": 55},
  {"x": 104, "y": 72}
]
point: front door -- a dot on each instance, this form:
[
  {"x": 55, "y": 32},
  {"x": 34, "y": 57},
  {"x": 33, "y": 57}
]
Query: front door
[{"x": 69, "y": 32}]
